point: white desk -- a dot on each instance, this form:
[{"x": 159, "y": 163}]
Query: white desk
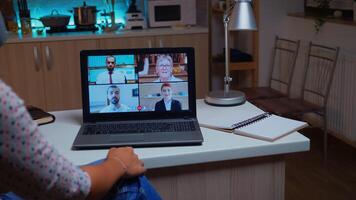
[{"x": 226, "y": 166}]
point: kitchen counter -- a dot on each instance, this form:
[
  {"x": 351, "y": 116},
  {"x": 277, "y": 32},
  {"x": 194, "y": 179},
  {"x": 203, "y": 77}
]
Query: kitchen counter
[
  {"x": 44, "y": 37},
  {"x": 217, "y": 146},
  {"x": 225, "y": 166}
]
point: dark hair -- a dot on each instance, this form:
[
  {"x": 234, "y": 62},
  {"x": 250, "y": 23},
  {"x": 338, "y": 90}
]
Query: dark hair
[
  {"x": 166, "y": 85},
  {"x": 107, "y": 91}
]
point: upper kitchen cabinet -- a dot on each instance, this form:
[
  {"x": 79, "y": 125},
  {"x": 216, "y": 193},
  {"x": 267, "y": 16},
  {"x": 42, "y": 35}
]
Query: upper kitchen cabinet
[
  {"x": 61, "y": 63},
  {"x": 21, "y": 69}
]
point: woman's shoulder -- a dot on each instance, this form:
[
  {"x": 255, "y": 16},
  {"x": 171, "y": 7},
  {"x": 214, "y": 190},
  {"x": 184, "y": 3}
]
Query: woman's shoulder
[
  {"x": 175, "y": 101},
  {"x": 7, "y": 92},
  {"x": 159, "y": 101},
  {"x": 4, "y": 87}
]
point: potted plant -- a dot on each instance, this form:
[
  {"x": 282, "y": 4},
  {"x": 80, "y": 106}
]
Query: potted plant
[{"x": 323, "y": 12}]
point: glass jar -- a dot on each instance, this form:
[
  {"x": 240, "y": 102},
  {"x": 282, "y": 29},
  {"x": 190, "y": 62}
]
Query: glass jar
[{"x": 26, "y": 25}]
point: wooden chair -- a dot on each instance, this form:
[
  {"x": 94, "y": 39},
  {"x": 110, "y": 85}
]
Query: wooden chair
[
  {"x": 284, "y": 57},
  {"x": 319, "y": 72}
]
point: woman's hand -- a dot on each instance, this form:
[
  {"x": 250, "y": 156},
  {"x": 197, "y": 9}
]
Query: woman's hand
[
  {"x": 128, "y": 160},
  {"x": 119, "y": 163}
]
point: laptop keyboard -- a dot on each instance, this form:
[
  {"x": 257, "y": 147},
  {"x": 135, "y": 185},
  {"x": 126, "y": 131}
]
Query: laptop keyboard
[{"x": 139, "y": 128}]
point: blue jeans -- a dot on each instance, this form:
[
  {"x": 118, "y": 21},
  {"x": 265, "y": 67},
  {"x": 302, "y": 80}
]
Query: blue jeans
[
  {"x": 133, "y": 189},
  {"x": 138, "y": 188}
]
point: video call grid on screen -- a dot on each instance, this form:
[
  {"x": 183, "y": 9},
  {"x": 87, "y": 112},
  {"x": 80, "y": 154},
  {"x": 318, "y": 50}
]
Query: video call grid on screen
[{"x": 138, "y": 83}]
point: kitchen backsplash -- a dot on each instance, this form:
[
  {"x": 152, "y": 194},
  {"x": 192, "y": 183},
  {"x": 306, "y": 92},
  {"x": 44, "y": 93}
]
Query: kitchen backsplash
[{"x": 41, "y": 8}]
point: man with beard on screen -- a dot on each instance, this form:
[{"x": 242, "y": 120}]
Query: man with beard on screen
[{"x": 113, "y": 101}]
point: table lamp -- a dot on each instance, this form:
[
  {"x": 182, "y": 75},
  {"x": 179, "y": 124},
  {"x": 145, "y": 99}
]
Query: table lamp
[{"x": 242, "y": 18}]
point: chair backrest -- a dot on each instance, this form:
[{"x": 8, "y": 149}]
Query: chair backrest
[
  {"x": 283, "y": 63},
  {"x": 319, "y": 72}
]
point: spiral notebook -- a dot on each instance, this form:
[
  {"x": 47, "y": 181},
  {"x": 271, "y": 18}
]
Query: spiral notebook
[{"x": 249, "y": 121}]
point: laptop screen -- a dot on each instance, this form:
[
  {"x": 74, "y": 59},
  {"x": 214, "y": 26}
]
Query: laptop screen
[{"x": 138, "y": 81}]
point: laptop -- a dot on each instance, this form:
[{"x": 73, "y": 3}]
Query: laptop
[{"x": 138, "y": 97}]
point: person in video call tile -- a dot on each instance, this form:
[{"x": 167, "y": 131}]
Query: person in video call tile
[
  {"x": 113, "y": 101},
  {"x": 111, "y": 75},
  {"x": 167, "y": 103},
  {"x": 164, "y": 69}
]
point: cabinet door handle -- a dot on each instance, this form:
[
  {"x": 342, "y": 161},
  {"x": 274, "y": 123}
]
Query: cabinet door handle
[
  {"x": 149, "y": 43},
  {"x": 48, "y": 58},
  {"x": 160, "y": 43},
  {"x": 37, "y": 58}
]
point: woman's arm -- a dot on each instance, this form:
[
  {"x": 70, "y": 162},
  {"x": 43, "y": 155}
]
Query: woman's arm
[{"x": 32, "y": 168}]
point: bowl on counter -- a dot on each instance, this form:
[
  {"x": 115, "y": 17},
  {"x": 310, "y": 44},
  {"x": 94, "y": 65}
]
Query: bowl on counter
[{"x": 55, "y": 20}]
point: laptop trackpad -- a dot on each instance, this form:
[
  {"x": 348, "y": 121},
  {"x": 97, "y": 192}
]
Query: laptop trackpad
[{"x": 126, "y": 137}]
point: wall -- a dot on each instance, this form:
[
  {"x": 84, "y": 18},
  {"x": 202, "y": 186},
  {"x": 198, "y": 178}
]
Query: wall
[
  {"x": 271, "y": 20},
  {"x": 202, "y": 12},
  {"x": 341, "y": 108}
]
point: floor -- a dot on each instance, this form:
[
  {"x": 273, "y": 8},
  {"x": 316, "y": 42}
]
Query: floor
[{"x": 308, "y": 177}]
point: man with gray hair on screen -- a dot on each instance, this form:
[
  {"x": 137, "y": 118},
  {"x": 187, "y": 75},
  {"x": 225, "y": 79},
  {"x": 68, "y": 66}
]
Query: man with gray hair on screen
[{"x": 164, "y": 69}]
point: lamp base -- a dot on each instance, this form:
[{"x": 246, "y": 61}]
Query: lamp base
[{"x": 221, "y": 98}]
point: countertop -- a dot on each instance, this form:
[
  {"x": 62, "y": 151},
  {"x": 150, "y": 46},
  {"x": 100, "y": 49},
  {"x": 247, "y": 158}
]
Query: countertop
[
  {"x": 217, "y": 146},
  {"x": 45, "y": 37}
]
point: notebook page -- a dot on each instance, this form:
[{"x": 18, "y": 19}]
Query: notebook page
[
  {"x": 271, "y": 128},
  {"x": 224, "y": 117}
]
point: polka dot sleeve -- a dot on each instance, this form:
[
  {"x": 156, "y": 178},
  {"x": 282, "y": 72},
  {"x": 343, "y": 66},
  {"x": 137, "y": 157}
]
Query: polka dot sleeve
[{"x": 29, "y": 165}]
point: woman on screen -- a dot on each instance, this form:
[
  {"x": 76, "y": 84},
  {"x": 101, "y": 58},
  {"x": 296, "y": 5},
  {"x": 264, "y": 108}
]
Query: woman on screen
[{"x": 167, "y": 103}]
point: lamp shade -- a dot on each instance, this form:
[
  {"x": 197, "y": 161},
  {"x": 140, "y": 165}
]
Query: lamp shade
[{"x": 242, "y": 17}]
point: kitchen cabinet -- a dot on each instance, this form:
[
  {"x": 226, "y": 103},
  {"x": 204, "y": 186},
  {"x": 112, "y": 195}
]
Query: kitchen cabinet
[
  {"x": 45, "y": 74},
  {"x": 199, "y": 41},
  {"x": 19, "y": 70},
  {"x": 61, "y": 67}
]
